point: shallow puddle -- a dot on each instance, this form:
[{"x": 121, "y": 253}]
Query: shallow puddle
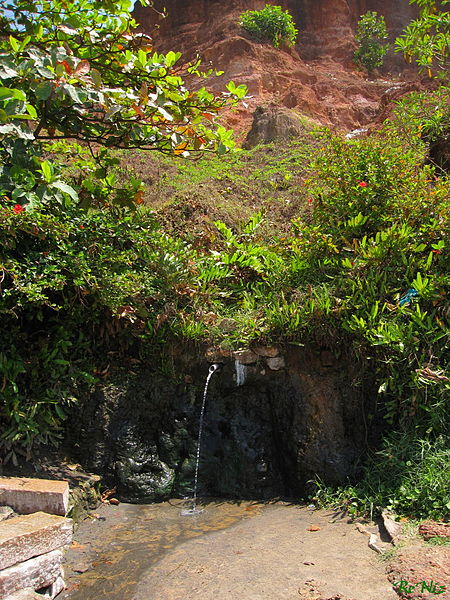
[
  {"x": 286, "y": 551},
  {"x": 118, "y": 546}
]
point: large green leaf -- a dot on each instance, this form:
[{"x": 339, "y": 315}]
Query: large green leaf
[
  {"x": 44, "y": 90},
  {"x": 10, "y": 93},
  {"x": 67, "y": 189}
]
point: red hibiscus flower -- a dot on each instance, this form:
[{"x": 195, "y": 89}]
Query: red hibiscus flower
[
  {"x": 18, "y": 208},
  {"x": 362, "y": 184}
]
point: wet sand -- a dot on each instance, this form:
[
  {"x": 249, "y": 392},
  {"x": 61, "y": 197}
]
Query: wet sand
[{"x": 235, "y": 551}]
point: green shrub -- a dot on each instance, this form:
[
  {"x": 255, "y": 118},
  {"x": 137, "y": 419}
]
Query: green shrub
[
  {"x": 409, "y": 476},
  {"x": 426, "y": 39},
  {"x": 380, "y": 227},
  {"x": 422, "y": 119},
  {"x": 370, "y": 35},
  {"x": 72, "y": 258},
  {"x": 75, "y": 285},
  {"x": 271, "y": 24}
]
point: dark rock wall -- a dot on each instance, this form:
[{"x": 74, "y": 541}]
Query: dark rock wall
[{"x": 264, "y": 439}]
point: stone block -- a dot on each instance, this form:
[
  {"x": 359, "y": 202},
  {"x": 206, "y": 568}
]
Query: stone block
[
  {"x": 276, "y": 363},
  {"x": 245, "y": 357},
  {"x": 217, "y": 355},
  {"x": 36, "y": 573},
  {"x": 266, "y": 351},
  {"x": 26, "y": 594},
  {"x": 27, "y": 495},
  {"x": 394, "y": 528},
  {"x": 26, "y": 536}
]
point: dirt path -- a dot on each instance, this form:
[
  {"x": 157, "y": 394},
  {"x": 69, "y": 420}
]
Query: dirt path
[{"x": 242, "y": 551}]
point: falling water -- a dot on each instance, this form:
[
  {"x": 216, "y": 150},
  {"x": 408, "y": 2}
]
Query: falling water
[
  {"x": 194, "y": 510},
  {"x": 241, "y": 372}
]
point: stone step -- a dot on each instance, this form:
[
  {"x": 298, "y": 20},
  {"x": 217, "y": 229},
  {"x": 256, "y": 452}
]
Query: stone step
[
  {"x": 26, "y": 594},
  {"x": 27, "y": 495},
  {"x": 50, "y": 592},
  {"x": 36, "y": 573},
  {"x": 26, "y": 536}
]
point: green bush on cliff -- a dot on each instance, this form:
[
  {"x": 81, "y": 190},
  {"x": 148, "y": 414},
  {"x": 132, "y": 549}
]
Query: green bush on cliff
[
  {"x": 370, "y": 36},
  {"x": 270, "y": 24},
  {"x": 424, "y": 118}
]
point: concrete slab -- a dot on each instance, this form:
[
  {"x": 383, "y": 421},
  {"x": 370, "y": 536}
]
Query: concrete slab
[
  {"x": 36, "y": 573},
  {"x": 26, "y": 495},
  {"x": 27, "y": 536}
]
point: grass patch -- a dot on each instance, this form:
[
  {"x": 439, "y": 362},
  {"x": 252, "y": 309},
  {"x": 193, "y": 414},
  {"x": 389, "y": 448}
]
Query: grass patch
[
  {"x": 408, "y": 476},
  {"x": 189, "y": 195},
  {"x": 439, "y": 541}
]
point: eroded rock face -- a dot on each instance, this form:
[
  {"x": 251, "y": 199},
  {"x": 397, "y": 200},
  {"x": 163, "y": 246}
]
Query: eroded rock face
[
  {"x": 326, "y": 26},
  {"x": 329, "y": 25},
  {"x": 265, "y": 438},
  {"x": 317, "y": 77}
]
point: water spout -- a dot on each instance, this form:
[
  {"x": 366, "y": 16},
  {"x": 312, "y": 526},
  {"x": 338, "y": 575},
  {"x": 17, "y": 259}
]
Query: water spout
[
  {"x": 241, "y": 373},
  {"x": 193, "y": 510}
]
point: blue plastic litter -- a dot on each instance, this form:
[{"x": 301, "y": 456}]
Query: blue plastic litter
[{"x": 408, "y": 297}]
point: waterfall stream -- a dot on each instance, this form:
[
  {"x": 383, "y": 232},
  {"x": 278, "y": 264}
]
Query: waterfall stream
[{"x": 193, "y": 510}]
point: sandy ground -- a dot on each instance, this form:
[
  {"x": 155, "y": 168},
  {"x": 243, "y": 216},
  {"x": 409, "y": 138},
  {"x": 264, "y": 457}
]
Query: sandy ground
[
  {"x": 232, "y": 551},
  {"x": 284, "y": 552}
]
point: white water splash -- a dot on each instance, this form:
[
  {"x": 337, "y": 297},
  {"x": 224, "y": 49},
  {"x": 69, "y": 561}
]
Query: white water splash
[
  {"x": 356, "y": 133},
  {"x": 241, "y": 373}
]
